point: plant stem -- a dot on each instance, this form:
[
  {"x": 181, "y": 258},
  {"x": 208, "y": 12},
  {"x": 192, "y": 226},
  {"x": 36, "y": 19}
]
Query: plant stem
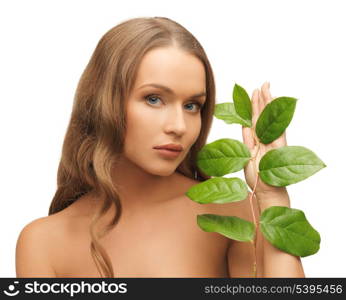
[
  {"x": 256, "y": 227},
  {"x": 251, "y": 201},
  {"x": 257, "y": 143},
  {"x": 255, "y": 265}
]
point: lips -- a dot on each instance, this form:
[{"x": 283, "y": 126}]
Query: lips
[{"x": 171, "y": 147}]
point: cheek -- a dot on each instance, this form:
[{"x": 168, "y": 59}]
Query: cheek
[
  {"x": 195, "y": 132},
  {"x": 140, "y": 125}
]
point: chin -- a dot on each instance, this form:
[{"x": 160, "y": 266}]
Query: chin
[{"x": 162, "y": 172}]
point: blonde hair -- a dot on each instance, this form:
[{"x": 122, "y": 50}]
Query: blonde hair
[{"x": 95, "y": 134}]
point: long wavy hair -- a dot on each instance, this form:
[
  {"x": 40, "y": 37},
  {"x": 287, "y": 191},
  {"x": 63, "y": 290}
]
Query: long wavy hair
[{"x": 95, "y": 134}]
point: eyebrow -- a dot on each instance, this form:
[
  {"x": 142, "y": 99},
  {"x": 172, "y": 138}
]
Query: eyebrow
[{"x": 170, "y": 91}]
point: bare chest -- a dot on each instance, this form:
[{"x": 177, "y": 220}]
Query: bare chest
[{"x": 162, "y": 243}]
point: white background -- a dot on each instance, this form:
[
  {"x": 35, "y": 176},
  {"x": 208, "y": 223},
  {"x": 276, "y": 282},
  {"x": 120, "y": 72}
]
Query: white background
[{"x": 298, "y": 46}]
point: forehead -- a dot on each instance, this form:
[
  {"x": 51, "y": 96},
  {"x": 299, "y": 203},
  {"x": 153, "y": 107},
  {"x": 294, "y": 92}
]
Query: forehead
[{"x": 172, "y": 67}]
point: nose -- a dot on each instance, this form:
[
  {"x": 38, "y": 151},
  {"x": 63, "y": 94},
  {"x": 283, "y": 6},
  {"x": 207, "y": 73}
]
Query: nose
[{"x": 175, "y": 122}]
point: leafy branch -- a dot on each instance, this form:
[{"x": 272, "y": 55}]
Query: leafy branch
[{"x": 285, "y": 228}]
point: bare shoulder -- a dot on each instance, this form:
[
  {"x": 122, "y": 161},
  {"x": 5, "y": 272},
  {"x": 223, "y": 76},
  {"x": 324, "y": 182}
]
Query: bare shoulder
[
  {"x": 34, "y": 248},
  {"x": 42, "y": 240},
  {"x": 45, "y": 229}
]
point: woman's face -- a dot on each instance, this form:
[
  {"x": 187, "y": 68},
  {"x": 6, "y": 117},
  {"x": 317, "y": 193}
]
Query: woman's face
[{"x": 163, "y": 115}]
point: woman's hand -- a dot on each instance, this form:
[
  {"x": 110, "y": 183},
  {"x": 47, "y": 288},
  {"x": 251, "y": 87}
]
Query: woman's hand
[{"x": 260, "y": 98}]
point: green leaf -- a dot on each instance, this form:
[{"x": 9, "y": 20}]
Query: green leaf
[
  {"x": 222, "y": 157},
  {"x": 289, "y": 164},
  {"x": 232, "y": 227},
  {"x": 226, "y": 112},
  {"x": 275, "y": 118},
  {"x": 242, "y": 103},
  {"x": 218, "y": 190},
  {"x": 288, "y": 229}
]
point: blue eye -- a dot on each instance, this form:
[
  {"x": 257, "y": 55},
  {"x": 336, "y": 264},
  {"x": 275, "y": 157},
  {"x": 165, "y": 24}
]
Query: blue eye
[
  {"x": 199, "y": 106},
  {"x": 154, "y": 97},
  {"x": 151, "y": 97}
]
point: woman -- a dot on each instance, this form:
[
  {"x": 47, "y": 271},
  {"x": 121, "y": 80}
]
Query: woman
[{"x": 120, "y": 209}]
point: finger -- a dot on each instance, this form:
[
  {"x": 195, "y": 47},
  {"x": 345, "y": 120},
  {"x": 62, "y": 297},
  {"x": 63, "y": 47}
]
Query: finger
[
  {"x": 261, "y": 103},
  {"x": 285, "y": 139},
  {"x": 266, "y": 92},
  {"x": 247, "y": 137},
  {"x": 255, "y": 108},
  {"x": 280, "y": 141},
  {"x": 263, "y": 93}
]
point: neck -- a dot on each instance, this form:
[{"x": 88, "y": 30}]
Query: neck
[{"x": 139, "y": 189}]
